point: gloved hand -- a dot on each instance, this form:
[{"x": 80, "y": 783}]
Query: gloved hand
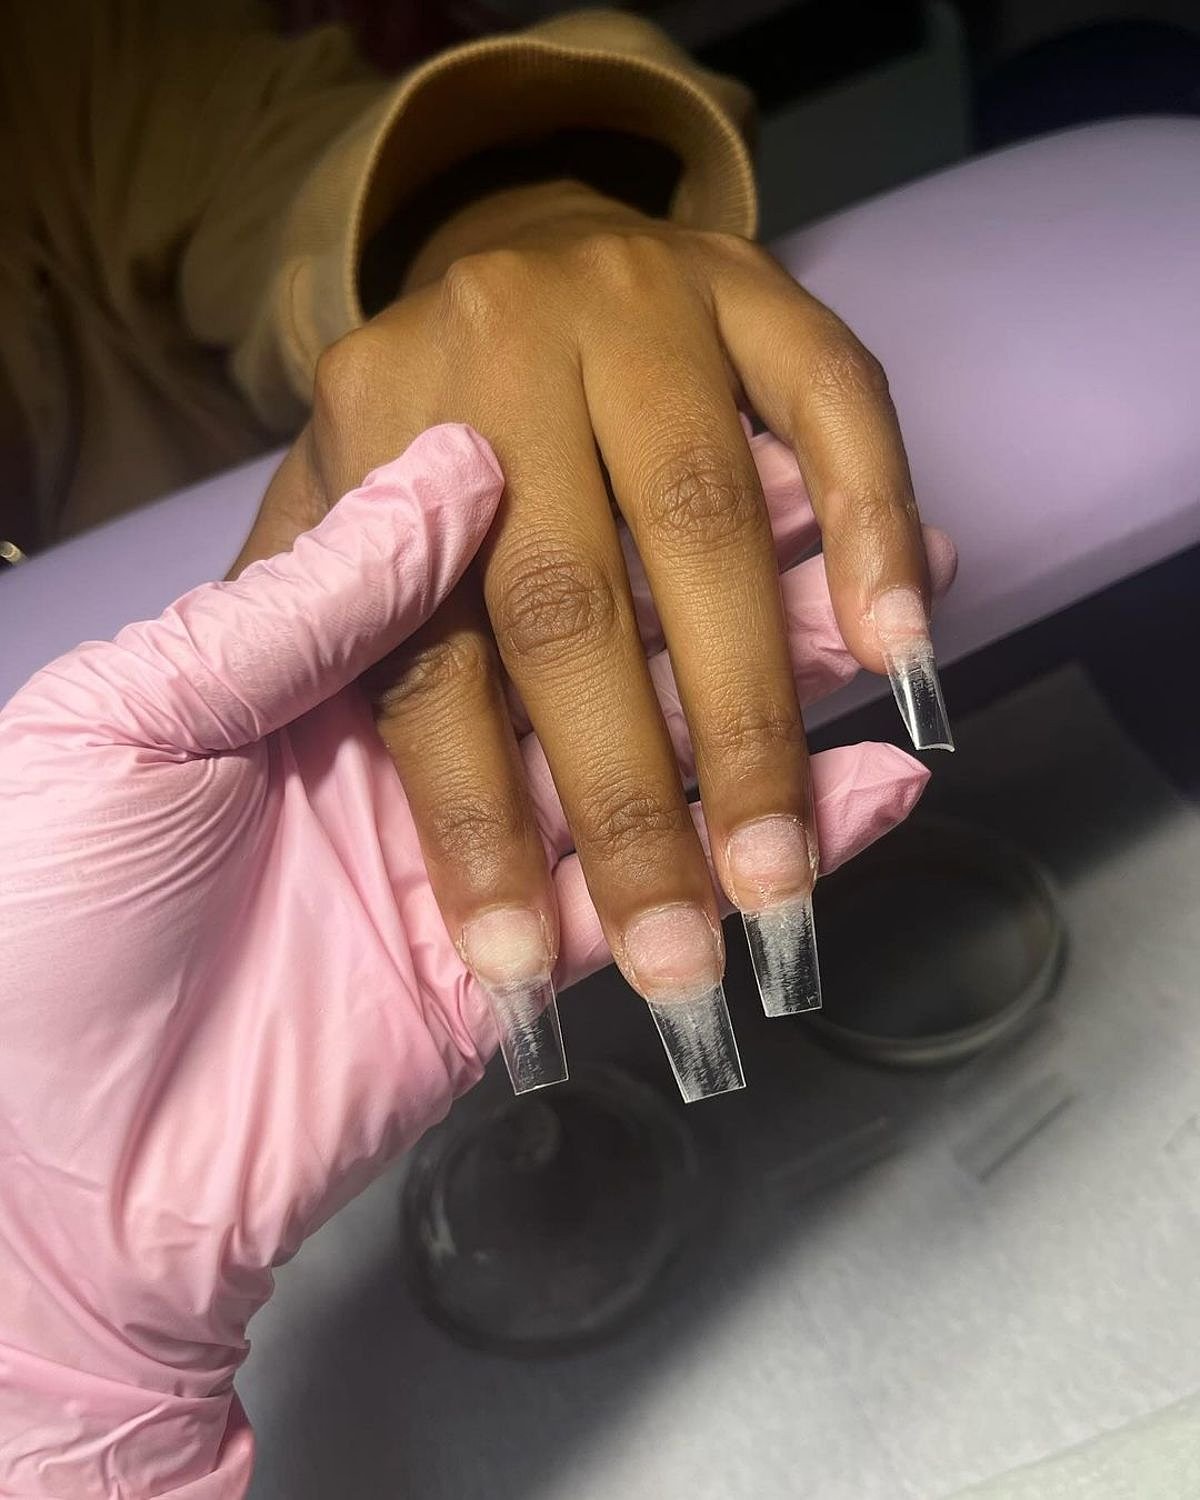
[
  {"x": 227, "y": 997},
  {"x": 605, "y": 354}
]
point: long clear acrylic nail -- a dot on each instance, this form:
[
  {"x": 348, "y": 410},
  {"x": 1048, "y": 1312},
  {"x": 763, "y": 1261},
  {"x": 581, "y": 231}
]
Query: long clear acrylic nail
[
  {"x": 770, "y": 868},
  {"x": 507, "y": 950},
  {"x": 526, "y": 1017},
  {"x": 903, "y": 633},
  {"x": 698, "y": 1038},
  {"x": 673, "y": 957},
  {"x": 783, "y": 950},
  {"x": 918, "y": 693}
]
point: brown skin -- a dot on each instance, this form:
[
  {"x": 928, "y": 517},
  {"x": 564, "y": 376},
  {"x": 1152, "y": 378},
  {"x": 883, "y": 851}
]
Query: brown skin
[{"x": 561, "y": 325}]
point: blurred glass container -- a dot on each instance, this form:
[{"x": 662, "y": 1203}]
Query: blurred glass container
[
  {"x": 538, "y": 1224},
  {"x": 938, "y": 942}
]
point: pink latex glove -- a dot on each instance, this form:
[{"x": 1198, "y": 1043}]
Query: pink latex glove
[{"x": 227, "y": 998}]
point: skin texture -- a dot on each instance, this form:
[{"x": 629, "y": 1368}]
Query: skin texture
[{"x": 607, "y": 358}]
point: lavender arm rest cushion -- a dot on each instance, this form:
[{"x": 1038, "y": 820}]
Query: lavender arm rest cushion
[{"x": 1038, "y": 312}]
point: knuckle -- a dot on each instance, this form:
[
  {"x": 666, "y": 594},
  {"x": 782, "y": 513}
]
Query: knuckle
[
  {"x": 753, "y": 735},
  {"x": 552, "y": 606},
  {"x": 608, "y": 250},
  {"x": 478, "y": 289},
  {"x": 617, "y": 817},
  {"x": 474, "y": 826},
  {"x": 343, "y": 373},
  {"x": 457, "y": 664},
  {"x": 622, "y": 260},
  {"x": 875, "y": 518},
  {"x": 697, "y": 500},
  {"x": 845, "y": 372},
  {"x": 872, "y": 515}
]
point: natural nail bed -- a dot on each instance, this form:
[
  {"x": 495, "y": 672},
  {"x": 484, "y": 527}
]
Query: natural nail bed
[
  {"x": 673, "y": 951},
  {"x": 769, "y": 861}
]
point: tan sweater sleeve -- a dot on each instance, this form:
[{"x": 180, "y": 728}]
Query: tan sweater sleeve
[
  {"x": 190, "y": 194},
  {"x": 278, "y": 305}
]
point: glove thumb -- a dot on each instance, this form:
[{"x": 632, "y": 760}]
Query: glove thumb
[{"x": 230, "y": 662}]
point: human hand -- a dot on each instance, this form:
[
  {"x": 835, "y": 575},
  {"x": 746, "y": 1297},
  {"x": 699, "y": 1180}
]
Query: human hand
[
  {"x": 227, "y": 996},
  {"x": 593, "y": 347}
]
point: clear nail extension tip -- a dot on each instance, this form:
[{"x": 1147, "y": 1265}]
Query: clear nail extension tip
[
  {"x": 913, "y": 673},
  {"x": 698, "y": 1038},
  {"x": 526, "y": 1016},
  {"x": 783, "y": 950},
  {"x": 902, "y": 629}
]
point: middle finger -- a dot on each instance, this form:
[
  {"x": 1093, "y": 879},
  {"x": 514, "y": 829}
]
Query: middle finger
[{"x": 687, "y": 486}]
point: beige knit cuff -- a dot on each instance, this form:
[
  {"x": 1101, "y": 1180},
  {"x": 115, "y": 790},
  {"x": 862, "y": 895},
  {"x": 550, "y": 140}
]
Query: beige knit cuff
[{"x": 486, "y": 94}]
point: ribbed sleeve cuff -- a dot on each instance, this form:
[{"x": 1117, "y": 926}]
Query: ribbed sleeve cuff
[{"x": 492, "y": 93}]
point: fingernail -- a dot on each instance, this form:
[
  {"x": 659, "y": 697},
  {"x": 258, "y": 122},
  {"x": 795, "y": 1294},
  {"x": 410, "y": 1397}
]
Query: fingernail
[
  {"x": 673, "y": 954},
  {"x": 507, "y": 951},
  {"x": 902, "y": 627},
  {"x": 771, "y": 870}
]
